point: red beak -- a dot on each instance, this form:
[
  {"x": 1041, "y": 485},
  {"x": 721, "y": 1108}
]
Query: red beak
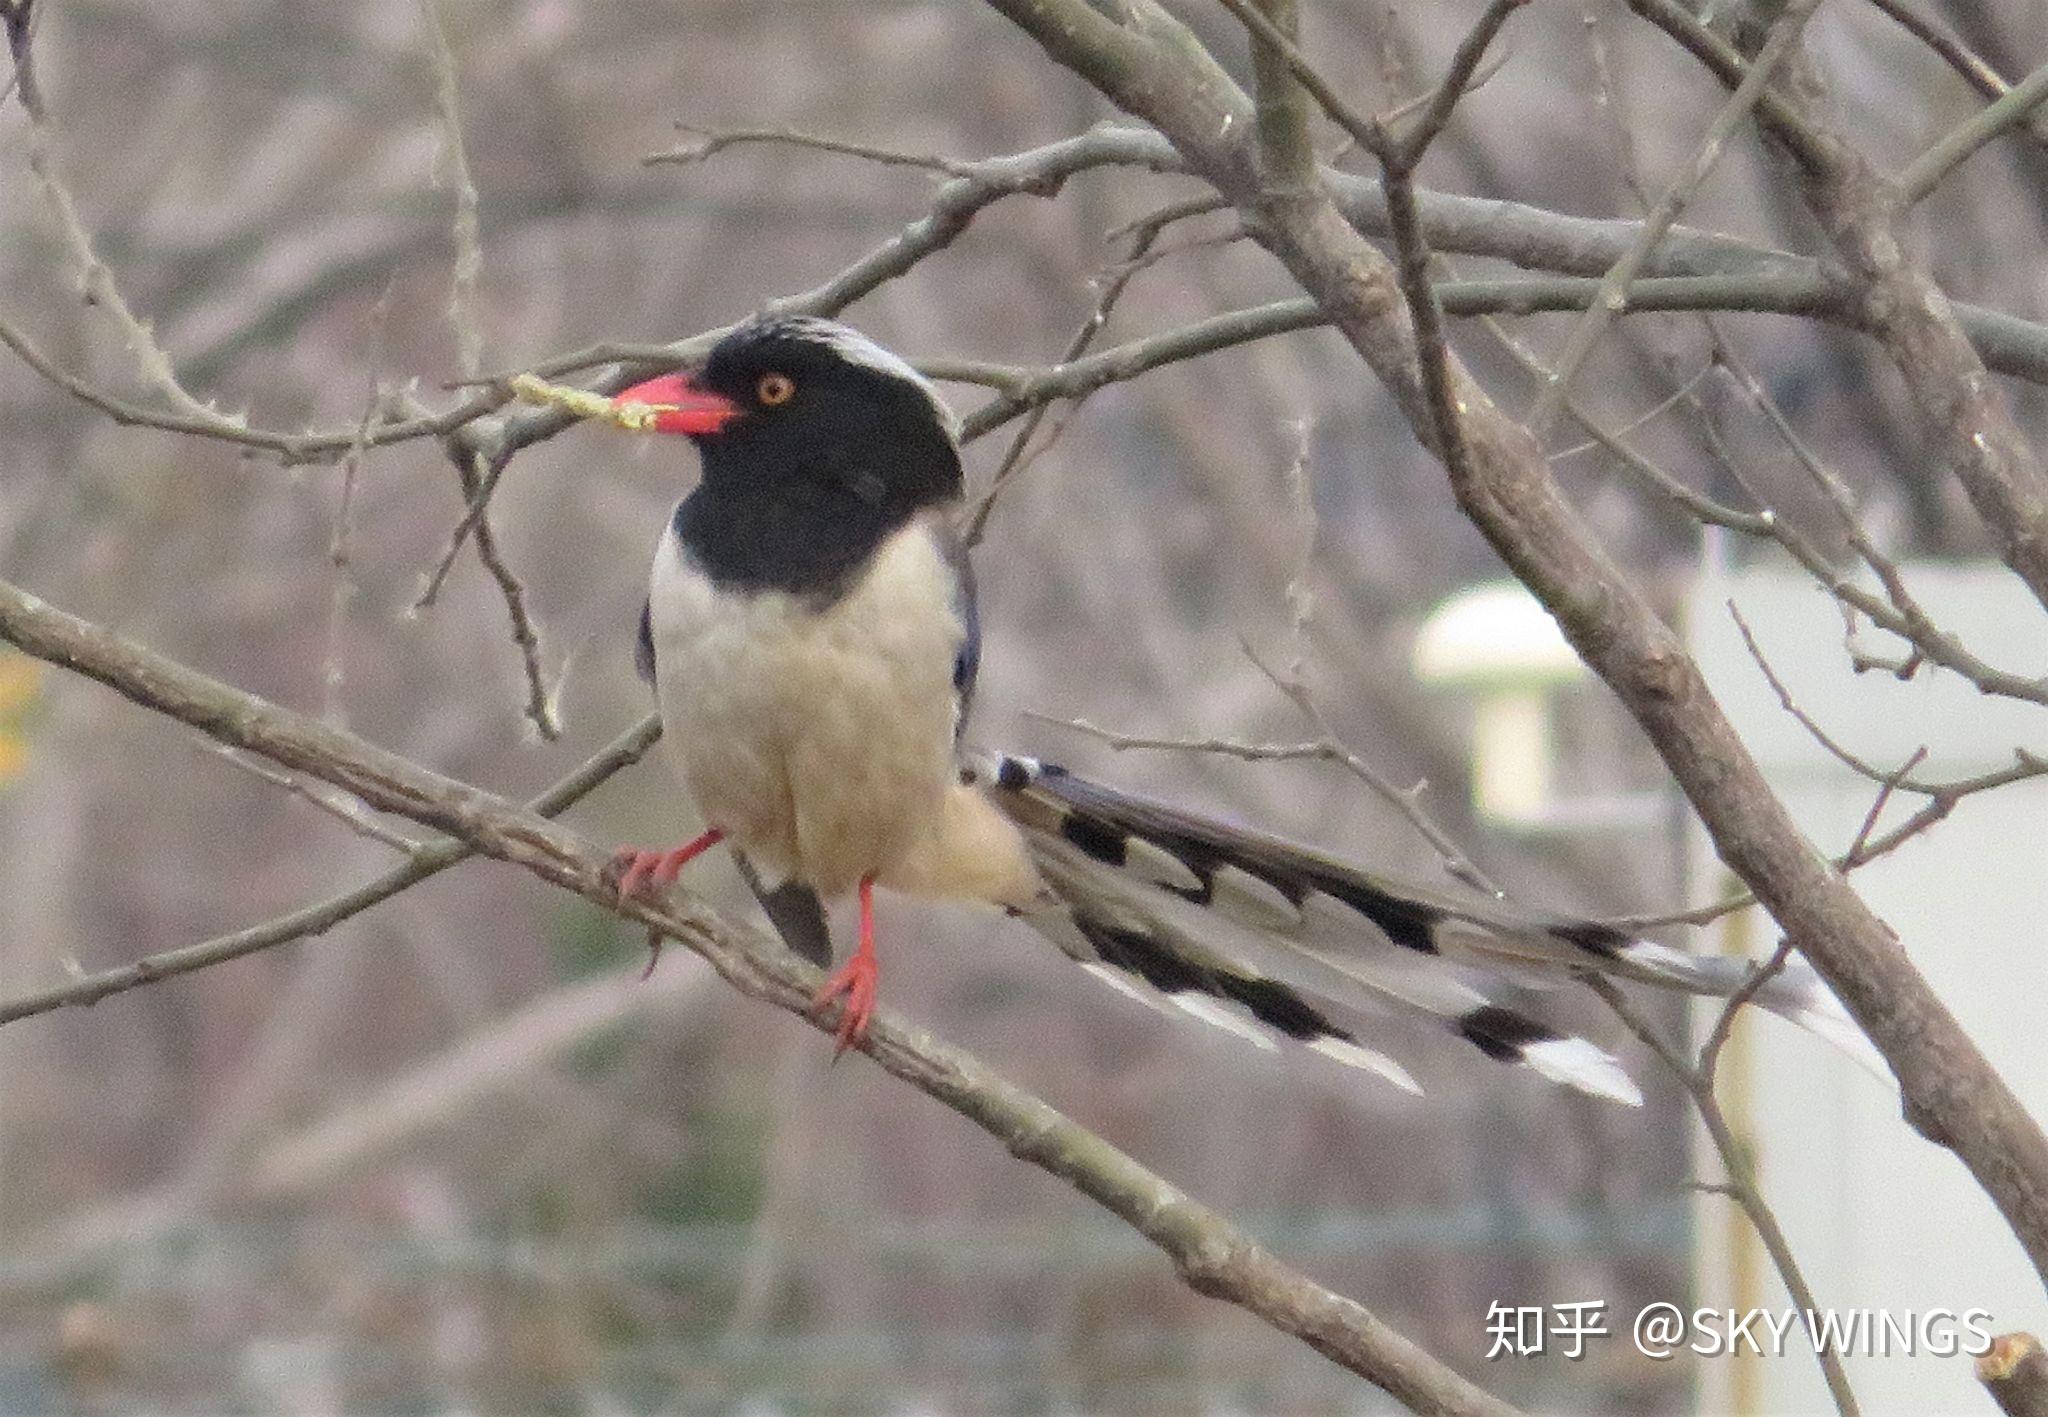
[{"x": 680, "y": 406}]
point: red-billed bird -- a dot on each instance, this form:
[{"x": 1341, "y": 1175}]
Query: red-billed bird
[{"x": 811, "y": 635}]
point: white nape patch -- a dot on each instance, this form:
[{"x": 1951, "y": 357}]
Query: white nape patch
[
  {"x": 1158, "y": 865},
  {"x": 1114, "y": 978},
  {"x": 1252, "y": 901},
  {"x": 856, "y": 348},
  {"x": 1210, "y": 1011},
  {"x": 1357, "y": 1055},
  {"x": 1585, "y": 1066}
]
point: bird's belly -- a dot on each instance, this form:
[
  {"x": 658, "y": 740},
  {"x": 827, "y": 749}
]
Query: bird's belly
[{"x": 819, "y": 739}]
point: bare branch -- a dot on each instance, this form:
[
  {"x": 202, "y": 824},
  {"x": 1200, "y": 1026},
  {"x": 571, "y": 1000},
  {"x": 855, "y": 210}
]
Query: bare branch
[
  {"x": 2015, "y": 1373},
  {"x": 1953, "y": 1094},
  {"x": 1113, "y": 287},
  {"x": 469, "y": 256},
  {"x": 708, "y": 142},
  {"x": 1741, "y": 1185},
  {"x": 310, "y": 446},
  {"x": 540, "y": 707},
  {"x": 348, "y": 813},
  {"x": 1784, "y": 38},
  {"x": 96, "y": 282},
  {"x": 953, "y": 207},
  {"x": 1208, "y": 1253},
  {"x": 1963, "y": 412},
  {"x": 1973, "y": 68},
  {"x": 1927, "y": 171},
  {"x": 322, "y": 916}
]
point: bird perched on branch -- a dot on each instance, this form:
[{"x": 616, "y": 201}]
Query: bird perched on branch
[{"x": 810, "y": 633}]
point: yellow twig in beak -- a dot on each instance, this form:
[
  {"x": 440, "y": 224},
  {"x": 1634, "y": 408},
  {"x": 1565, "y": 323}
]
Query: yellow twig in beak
[{"x": 584, "y": 403}]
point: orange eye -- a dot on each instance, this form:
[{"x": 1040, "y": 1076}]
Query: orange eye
[{"x": 775, "y": 389}]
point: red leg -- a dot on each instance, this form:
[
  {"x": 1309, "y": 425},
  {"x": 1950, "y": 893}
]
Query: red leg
[
  {"x": 856, "y": 979},
  {"x": 647, "y": 874}
]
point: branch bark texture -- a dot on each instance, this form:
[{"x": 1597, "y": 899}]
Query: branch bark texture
[
  {"x": 1208, "y": 1252},
  {"x": 1504, "y": 485}
]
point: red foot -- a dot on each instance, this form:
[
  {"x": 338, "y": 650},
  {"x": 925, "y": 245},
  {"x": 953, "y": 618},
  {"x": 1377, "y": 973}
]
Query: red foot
[
  {"x": 646, "y": 874},
  {"x": 856, "y": 980}
]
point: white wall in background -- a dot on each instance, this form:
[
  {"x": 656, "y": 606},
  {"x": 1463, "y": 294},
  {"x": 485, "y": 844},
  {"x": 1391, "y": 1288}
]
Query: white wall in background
[{"x": 1878, "y": 1217}]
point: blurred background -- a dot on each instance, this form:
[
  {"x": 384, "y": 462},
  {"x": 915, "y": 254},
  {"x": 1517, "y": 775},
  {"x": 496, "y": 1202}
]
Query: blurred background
[{"x": 452, "y": 1155}]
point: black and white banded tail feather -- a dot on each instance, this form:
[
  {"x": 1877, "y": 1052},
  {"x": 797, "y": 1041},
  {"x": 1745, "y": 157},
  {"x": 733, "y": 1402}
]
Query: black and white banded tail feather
[{"x": 1276, "y": 942}]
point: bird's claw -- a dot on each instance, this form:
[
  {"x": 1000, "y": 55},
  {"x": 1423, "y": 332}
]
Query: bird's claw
[
  {"x": 855, "y": 981},
  {"x": 633, "y": 871},
  {"x": 639, "y": 874}
]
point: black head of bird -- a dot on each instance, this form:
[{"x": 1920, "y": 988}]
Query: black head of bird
[{"x": 817, "y": 444}]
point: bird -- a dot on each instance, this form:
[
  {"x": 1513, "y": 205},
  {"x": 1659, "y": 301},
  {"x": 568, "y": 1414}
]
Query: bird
[{"x": 811, "y": 634}]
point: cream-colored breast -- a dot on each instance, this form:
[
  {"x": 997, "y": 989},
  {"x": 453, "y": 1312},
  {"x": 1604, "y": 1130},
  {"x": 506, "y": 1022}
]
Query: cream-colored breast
[{"x": 818, "y": 737}]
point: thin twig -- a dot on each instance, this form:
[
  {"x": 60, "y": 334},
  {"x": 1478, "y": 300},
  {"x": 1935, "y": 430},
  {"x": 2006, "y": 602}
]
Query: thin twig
[
  {"x": 469, "y": 256},
  {"x": 951, "y": 210},
  {"x": 314, "y": 445},
  {"x": 318, "y": 918},
  {"x": 1927, "y": 171},
  {"x": 1301, "y": 598},
  {"x": 1970, "y": 423},
  {"x": 1369, "y": 130},
  {"x": 339, "y": 541},
  {"x": 96, "y": 282},
  {"x": 1706, "y": 156},
  {"x": 1320, "y": 750},
  {"x": 479, "y": 488},
  {"x": 1974, "y": 69},
  {"x": 1014, "y": 459},
  {"x": 1825, "y": 478},
  {"x": 1861, "y": 841},
  {"x": 1398, "y": 160},
  {"x": 1733, "y": 1005},
  {"x": 708, "y": 142},
  {"x": 1741, "y": 1185},
  {"x": 1458, "y": 80},
  {"x": 1328, "y": 747},
  {"x": 347, "y": 813},
  {"x": 539, "y": 710},
  {"x": 1642, "y": 420}
]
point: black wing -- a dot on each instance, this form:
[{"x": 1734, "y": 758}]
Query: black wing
[
  {"x": 643, "y": 644},
  {"x": 796, "y": 913},
  {"x": 967, "y": 663}
]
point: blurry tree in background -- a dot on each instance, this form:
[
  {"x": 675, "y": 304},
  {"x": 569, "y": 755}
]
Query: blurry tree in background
[{"x": 450, "y": 1153}]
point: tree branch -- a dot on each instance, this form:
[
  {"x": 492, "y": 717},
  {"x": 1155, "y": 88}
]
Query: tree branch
[
  {"x": 2016, "y": 106},
  {"x": 1953, "y": 1095},
  {"x": 1211, "y": 1255},
  {"x": 1964, "y": 413},
  {"x": 2015, "y": 1373},
  {"x": 322, "y": 916}
]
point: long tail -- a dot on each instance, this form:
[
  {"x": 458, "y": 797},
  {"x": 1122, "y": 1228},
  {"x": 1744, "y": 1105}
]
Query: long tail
[{"x": 1274, "y": 942}]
